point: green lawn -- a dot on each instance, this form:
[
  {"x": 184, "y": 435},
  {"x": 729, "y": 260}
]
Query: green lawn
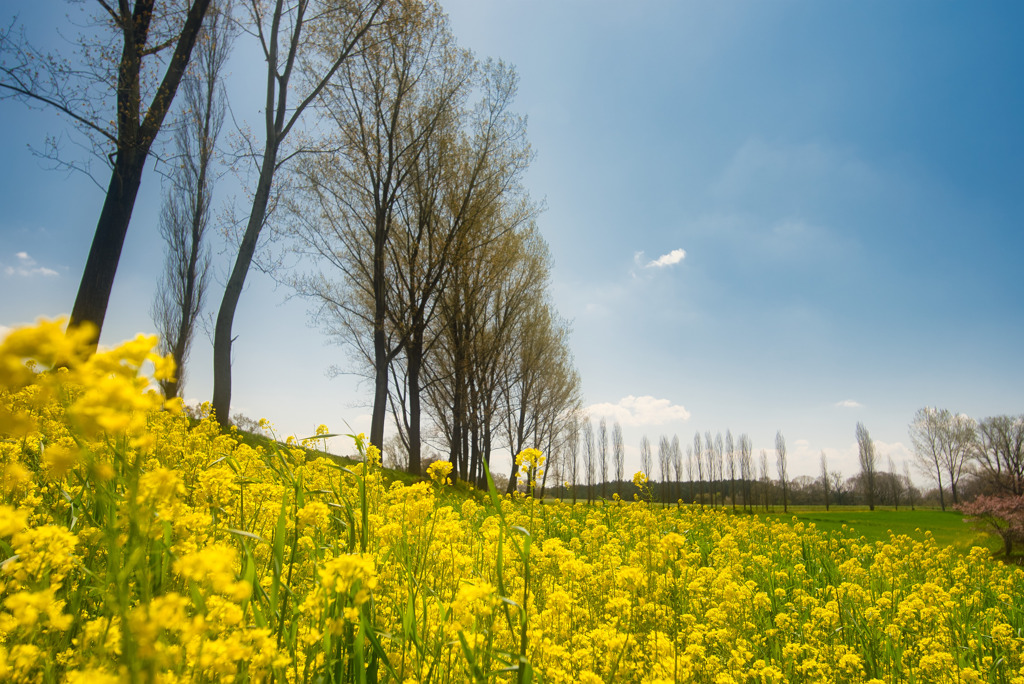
[{"x": 947, "y": 527}]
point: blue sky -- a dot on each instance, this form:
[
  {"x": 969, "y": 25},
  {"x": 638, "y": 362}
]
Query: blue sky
[{"x": 846, "y": 181}]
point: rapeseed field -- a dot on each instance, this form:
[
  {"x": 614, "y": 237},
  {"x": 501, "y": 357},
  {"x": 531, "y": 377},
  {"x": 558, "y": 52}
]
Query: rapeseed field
[{"x": 139, "y": 545}]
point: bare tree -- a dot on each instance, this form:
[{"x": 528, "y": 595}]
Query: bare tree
[
  {"x": 573, "y": 442},
  {"x": 645, "y": 457},
  {"x": 589, "y": 457},
  {"x": 712, "y": 467},
  {"x": 447, "y": 188},
  {"x": 188, "y": 203},
  {"x": 895, "y": 484},
  {"x": 689, "y": 474},
  {"x": 999, "y": 452},
  {"x": 942, "y": 442},
  {"x": 619, "y": 451},
  {"x": 664, "y": 466},
  {"x": 719, "y": 452},
  {"x": 909, "y": 484},
  {"x": 765, "y": 481},
  {"x": 602, "y": 446},
  {"x": 780, "y": 463},
  {"x": 730, "y": 456},
  {"x": 478, "y": 375},
  {"x": 824, "y": 478},
  {"x": 312, "y": 38},
  {"x": 677, "y": 467},
  {"x": 868, "y": 464},
  {"x": 839, "y": 486},
  {"x": 118, "y": 103},
  {"x": 542, "y": 385},
  {"x": 747, "y": 470},
  {"x": 698, "y": 455}
]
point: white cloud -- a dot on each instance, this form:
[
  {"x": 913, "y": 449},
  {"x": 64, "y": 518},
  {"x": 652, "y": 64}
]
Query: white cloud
[
  {"x": 898, "y": 451},
  {"x": 670, "y": 259},
  {"x": 27, "y": 267},
  {"x": 849, "y": 403},
  {"x": 633, "y": 411}
]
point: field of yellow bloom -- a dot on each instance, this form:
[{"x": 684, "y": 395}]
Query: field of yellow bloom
[{"x": 137, "y": 545}]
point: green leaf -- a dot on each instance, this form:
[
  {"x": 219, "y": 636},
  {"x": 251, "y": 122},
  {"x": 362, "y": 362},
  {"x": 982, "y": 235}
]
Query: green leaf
[
  {"x": 278, "y": 553},
  {"x": 378, "y": 649},
  {"x": 250, "y": 535}
]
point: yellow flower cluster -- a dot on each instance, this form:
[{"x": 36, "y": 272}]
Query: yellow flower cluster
[
  {"x": 438, "y": 471},
  {"x": 136, "y": 545}
]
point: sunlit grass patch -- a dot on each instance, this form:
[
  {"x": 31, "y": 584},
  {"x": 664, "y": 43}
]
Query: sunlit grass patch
[{"x": 947, "y": 528}]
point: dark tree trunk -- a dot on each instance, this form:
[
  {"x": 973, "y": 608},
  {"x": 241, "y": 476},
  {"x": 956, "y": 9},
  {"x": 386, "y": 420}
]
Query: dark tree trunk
[
  {"x": 222, "y": 339},
  {"x": 485, "y": 452},
  {"x": 458, "y": 421},
  {"x": 465, "y": 447},
  {"x": 476, "y": 469},
  {"x": 381, "y": 360},
  {"x": 942, "y": 498},
  {"x": 474, "y": 448},
  {"x": 414, "y": 356},
  {"x": 108, "y": 241}
]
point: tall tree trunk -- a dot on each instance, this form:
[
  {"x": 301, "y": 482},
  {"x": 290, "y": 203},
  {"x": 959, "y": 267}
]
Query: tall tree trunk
[
  {"x": 108, "y": 241},
  {"x": 380, "y": 349},
  {"x": 414, "y": 356},
  {"x": 474, "y": 448},
  {"x": 942, "y": 498},
  {"x": 485, "y": 452},
  {"x": 222, "y": 339},
  {"x": 465, "y": 447},
  {"x": 458, "y": 411}
]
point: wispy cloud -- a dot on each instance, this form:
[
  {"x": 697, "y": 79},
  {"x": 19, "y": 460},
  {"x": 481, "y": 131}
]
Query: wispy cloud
[
  {"x": 26, "y": 267},
  {"x": 634, "y": 411},
  {"x": 849, "y": 403},
  {"x": 670, "y": 259}
]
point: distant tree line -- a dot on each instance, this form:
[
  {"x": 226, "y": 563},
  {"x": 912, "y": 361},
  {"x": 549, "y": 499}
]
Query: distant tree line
[
  {"x": 716, "y": 471},
  {"x": 963, "y": 459}
]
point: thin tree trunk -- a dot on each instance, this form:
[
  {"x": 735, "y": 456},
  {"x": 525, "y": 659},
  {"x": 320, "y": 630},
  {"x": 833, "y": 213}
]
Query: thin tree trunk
[
  {"x": 458, "y": 408},
  {"x": 942, "y": 498},
  {"x": 380, "y": 351},
  {"x": 414, "y": 355},
  {"x": 233, "y": 290},
  {"x": 465, "y": 448},
  {"x": 485, "y": 454}
]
